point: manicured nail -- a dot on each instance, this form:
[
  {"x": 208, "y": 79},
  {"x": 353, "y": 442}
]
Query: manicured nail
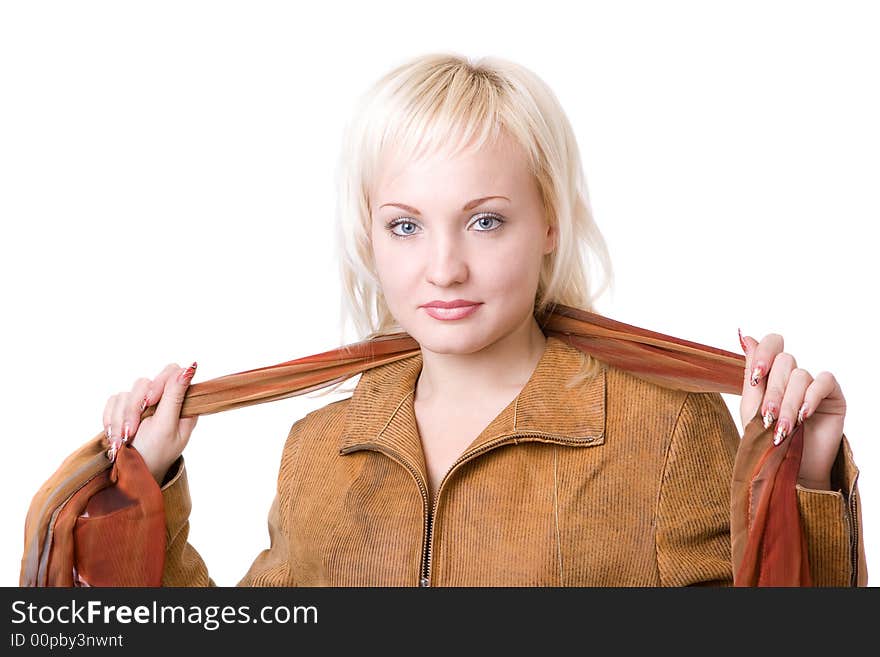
[
  {"x": 114, "y": 445},
  {"x": 768, "y": 419},
  {"x": 742, "y": 342},
  {"x": 781, "y": 432},
  {"x": 188, "y": 373},
  {"x": 126, "y": 430},
  {"x": 144, "y": 403},
  {"x": 802, "y": 413},
  {"x": 757, "y": 373}
]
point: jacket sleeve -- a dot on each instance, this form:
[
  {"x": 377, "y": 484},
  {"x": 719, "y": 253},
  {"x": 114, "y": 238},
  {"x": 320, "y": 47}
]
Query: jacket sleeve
[
  {"x": 183, "y": 564},
  {"x": 832, "y": 525},
  {"x": 693, "y": 526},
  {"x": 831, "y": 519}
]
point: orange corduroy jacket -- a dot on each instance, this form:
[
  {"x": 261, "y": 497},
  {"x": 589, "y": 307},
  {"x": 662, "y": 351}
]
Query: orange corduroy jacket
[{"x": 613, "y": 482}]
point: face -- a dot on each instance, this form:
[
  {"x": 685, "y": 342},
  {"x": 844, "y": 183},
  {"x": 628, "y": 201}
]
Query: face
[{"x": 436, "y": 237}]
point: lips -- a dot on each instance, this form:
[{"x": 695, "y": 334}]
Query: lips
[
  {"x": 457, "y": 303},
  {"x": 448, "y": 310}
]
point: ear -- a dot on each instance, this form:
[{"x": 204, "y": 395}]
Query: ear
[{"x": 551, "y": 238}]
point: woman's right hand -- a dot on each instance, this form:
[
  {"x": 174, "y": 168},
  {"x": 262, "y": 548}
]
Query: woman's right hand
[{"x": 161, "y": 437}]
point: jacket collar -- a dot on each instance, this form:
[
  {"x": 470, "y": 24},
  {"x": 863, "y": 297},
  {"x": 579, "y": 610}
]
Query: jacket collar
[{"x": 381, "y": 413}]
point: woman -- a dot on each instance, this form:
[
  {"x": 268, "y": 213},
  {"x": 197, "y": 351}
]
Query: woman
[{"x": 497, "y": 455}]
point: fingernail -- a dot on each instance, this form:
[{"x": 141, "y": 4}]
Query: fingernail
[
  {"x": 757, "y": 373},
  {"x": 768, "y": 418},
  {"x": 802, "y": 413},
  {"x": 144, "y": 402},
  {"x": 742, "y": 342},
  {"x": 188, "y": 373},
  {"x": 781, "y": 432},
  {"x": 126, "y": 429},
  {"x": 110, "y": 453},
  {"x": 114, "y": 445}
]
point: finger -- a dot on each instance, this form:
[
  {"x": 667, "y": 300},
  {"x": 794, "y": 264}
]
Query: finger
[
  {"x": 107, "y": 417},
  {"x": 764, "y": 355},
  {"x": 748, "y": 344},
  {"x": 799, "y": 380},
  {"x": 154, "y": 392},
  {"x": 168, "y": 410},
  {"x": 824, "y": 390},
  {"x": 777, "y": 381},
  {"x": 760, "y": 361},
  {"x": 751, "y": 395},
  {"x": 116, "y": 418},
  {"x": 136, "y": 405}
]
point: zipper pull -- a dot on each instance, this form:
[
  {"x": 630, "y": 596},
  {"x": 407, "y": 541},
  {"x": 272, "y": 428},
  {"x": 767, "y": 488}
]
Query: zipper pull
[{"x": 423, "y": 581}]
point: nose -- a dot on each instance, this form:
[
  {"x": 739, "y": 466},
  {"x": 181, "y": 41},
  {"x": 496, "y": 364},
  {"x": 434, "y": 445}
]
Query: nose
[{"x": 446, "y": 263}]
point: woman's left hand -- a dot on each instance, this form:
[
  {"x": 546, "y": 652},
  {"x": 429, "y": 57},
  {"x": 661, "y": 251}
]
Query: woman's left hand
[{"x": 789, "y": 395}]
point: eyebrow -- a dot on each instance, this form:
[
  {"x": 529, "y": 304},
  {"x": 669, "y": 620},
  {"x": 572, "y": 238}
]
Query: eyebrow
[{"x": 467, "y": 206}]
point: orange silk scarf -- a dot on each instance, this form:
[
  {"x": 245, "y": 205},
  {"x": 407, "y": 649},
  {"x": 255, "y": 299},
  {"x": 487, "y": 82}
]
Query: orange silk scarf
[{"x": 99, "y": 523}]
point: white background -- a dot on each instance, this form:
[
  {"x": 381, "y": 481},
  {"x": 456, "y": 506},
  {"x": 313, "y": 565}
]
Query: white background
[{"x": 166, "y": 195}]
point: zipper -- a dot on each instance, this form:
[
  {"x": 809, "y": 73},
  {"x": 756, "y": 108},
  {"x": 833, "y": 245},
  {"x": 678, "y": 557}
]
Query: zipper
[
  {"x": 854, "y": 548},
  {"x": 426, "y": 526},
  {"x": 429, "y": 514},
  {"x": 426, "y": 571}
]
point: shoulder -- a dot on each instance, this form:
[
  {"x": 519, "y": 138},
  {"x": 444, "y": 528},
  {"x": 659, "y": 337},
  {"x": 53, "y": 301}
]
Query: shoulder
[
  {"x": 671, "y": 411},
  {"x": 622, "y": 386},
  {"x": 315, "y": 434},
  {"x": 329, "y": 418},
  {"x": 630, "y": 393}
]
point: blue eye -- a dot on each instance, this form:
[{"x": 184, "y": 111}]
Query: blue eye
[
  {"x": 400, "y": 222},
  {"x": 484, "y": 223},
  {"x": 490, "y": 218}
]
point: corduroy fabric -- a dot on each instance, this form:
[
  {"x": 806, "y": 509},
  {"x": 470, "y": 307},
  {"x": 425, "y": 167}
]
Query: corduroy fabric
[{"x": 613, "y": 482}]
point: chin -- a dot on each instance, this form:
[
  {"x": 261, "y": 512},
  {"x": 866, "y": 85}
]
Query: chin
[
  {"x": 457, "y": 347},
  {"x": 453, "y": 337}
]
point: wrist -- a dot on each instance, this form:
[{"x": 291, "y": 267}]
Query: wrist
[
  {"x": 159, "y": 475},
  {"x": 158, "y": 470},
  {"x": 815, "y": 484}
]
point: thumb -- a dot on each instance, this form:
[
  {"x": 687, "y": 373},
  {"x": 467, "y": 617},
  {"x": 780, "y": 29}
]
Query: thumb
[
  {"x": 750, "y": 401},
  {"x": 168, "y": 410},
  {"x": 748, "y": 344}
]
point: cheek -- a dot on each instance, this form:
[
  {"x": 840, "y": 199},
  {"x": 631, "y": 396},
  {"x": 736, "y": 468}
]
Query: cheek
[
  {"x": 383, "y": 257},
  {"x": 512, "y": 270},
  {"x": 395, "y": 271}
]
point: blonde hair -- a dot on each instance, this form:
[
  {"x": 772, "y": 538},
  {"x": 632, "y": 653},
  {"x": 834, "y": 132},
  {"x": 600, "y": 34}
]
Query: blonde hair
[{"x": 419, "y": 108}]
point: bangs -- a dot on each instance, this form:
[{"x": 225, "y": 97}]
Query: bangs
[{"x": 451, "y": 111}]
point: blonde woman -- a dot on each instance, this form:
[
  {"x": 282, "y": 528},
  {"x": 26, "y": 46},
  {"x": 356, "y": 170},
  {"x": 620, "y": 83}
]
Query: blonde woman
[{"x": 497, "y": 456}]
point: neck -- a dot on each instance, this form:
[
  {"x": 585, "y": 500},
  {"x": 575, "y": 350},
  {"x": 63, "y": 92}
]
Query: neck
[{"x": 503, "y": 367}]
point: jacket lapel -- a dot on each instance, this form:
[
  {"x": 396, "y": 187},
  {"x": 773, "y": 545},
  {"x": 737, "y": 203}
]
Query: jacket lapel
[{"x": 381, "y": 414}]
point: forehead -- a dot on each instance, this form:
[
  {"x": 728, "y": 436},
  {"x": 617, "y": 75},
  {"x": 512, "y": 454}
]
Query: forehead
[{"x": 497, "y": 164}]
